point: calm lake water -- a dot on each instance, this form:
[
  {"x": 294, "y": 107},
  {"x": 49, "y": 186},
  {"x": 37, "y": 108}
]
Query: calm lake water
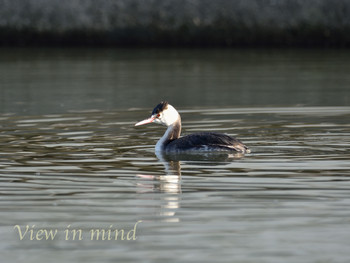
[{"x": 71, "y": 160}]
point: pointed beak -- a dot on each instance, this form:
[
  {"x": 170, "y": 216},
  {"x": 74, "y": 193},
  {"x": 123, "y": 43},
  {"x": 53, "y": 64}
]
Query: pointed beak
[{"x": 146, "y": 121}]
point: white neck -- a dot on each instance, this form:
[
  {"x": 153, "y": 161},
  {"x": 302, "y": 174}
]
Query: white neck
[
  {"x": 161, "y": 142},
  {"x": 172, "y": 133}
]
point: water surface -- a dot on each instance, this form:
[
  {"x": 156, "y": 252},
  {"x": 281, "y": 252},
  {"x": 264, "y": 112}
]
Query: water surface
[
  {"x": 71, "y": 158},
  {"x": 287, "y": 201},
  {"x": 51, "y": 81}
]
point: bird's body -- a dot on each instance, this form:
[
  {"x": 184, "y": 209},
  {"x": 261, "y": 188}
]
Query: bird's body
[
  {"x": 171, "y": 141},
  {"x": 206, "y": 141}
]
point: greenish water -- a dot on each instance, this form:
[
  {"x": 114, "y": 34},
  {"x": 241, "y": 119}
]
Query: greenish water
[
  {"x": 71, "y": 158},
  {"x": 45, "y": 81}
]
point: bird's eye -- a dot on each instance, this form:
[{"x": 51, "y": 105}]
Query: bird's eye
[{"x": 158, "y": 115}]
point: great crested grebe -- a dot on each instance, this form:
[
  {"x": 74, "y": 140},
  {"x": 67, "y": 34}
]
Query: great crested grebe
[{"x": 167, "y": 115}]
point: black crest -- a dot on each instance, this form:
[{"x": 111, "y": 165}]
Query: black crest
[{"x": 160, "y": 107}]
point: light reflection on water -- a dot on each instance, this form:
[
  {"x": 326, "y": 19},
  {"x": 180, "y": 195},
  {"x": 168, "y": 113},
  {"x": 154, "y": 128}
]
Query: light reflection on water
[{"x": 288, "y": 200}]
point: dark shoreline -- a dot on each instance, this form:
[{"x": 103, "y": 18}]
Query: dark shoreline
[
  {"x": 201, "y": 38},
  {"x": 171, "y": 23}
]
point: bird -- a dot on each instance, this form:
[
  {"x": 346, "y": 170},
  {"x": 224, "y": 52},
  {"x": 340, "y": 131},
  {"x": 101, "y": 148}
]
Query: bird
[{"x": 171, "y": 142}]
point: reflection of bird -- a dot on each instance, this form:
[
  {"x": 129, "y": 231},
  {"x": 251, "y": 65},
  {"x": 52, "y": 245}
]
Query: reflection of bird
[{"x": 167, "y": 115}]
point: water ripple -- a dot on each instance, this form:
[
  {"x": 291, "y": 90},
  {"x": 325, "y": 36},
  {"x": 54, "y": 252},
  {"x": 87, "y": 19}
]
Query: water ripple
[{"x": 94, "y": 169}]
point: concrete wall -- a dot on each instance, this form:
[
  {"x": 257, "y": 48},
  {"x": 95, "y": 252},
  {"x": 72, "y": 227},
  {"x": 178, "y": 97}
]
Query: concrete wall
[{"x": 175, "y": 22}]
